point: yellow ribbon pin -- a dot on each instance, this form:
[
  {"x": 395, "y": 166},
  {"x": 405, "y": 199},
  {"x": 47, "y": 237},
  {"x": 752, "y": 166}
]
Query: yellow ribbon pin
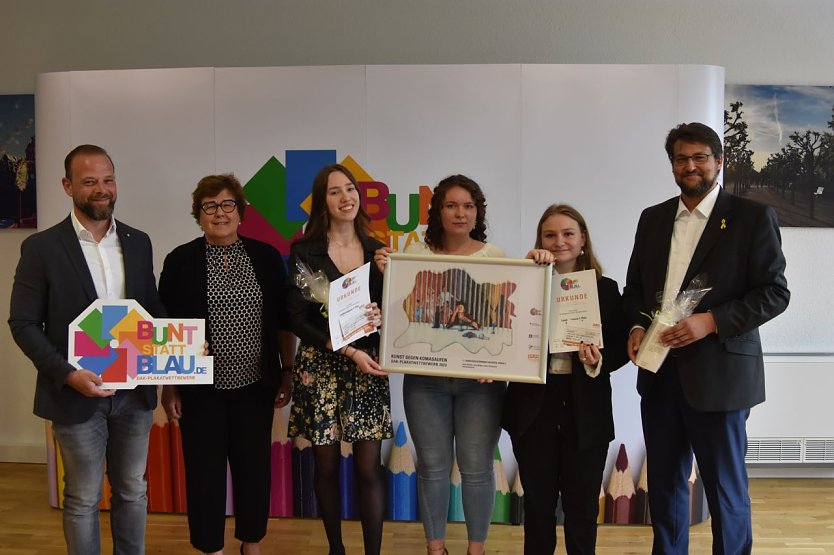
[{"x": 723, "y": 223}]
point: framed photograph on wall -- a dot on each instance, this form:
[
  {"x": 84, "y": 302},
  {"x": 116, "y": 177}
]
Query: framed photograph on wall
[{"x": 466, "y": 317}]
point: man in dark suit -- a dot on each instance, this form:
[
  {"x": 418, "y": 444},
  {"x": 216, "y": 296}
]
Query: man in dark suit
[
  {"x": 699, "y": 399},
  {"x": 61, "y": 271}
]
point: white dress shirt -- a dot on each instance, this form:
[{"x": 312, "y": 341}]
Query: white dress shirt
[
  {"x": 104, "y": 259},
  {"x": 689, "y": 226}
]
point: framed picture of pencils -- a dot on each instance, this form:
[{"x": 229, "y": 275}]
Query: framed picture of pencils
[{"x": 465, "y": 317}]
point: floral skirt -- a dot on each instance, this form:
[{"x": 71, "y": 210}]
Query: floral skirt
[{"x": 334, "y": 401}]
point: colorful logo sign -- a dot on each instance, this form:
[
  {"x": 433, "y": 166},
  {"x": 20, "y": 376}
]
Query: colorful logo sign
[
  {"x": 279, "y": 198},
  {"x": 118, "y": 340}
]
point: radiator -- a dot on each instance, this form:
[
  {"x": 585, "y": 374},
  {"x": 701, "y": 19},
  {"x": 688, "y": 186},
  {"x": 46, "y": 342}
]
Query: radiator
[{"x": 795, "y": 426}]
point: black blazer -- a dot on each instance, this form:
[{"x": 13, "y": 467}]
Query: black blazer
[
  {"x": 741, "y": 253},
  {"x": 183, "y": 286},
  {"x": 305, "y": 317},
  {"x": 53, "y": 285},
  {"x": 592, "y": 410}
]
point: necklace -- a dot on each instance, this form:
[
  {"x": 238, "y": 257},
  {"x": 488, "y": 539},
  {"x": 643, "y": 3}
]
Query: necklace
[{"x": 331, "y": 241}]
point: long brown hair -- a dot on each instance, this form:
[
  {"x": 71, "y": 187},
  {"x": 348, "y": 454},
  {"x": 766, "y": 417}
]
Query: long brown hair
[
  {"x": 434, "y": 229},
  {"x": 586, "y": 260},
  {"x": 319, "y": 221}
]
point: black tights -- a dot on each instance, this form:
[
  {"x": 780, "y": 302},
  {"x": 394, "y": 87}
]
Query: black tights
[{"x": 369, "y": 487}]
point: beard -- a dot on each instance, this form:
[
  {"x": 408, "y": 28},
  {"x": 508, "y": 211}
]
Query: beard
[
  {"x": 702, "y": 187},
  {"x": 96, "y": 213}
]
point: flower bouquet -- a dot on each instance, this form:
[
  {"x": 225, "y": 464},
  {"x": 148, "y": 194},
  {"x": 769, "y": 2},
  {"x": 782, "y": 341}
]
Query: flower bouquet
[
  {"x": 315, "y": 287},
  {"x": 652, "y": 351}
]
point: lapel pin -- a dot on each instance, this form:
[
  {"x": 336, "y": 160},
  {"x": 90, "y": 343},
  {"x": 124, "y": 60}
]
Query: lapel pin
[{"x": 723, "y": 223}]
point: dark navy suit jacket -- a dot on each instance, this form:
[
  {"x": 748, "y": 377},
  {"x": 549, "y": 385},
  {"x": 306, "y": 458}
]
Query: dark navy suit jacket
[
  {"x": 53, "y": 285},
  {"x": 740, "y": 252}
]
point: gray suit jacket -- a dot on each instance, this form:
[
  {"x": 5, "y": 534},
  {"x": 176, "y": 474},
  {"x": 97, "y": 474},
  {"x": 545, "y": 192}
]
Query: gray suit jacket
[
  {"x": 740, "y": 251},
  {"x": 52, "y": 285}
]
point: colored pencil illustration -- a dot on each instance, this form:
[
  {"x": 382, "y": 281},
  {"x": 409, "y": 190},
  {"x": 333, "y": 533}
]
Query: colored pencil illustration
[
  {"x": 177, "y": 468},
  {"x": 401, "y": 479},
  {"x": 230, "y": 506},
  {"x": 501, "y": 510},
  {"x": 699, "y": 510},
  {"x": 280, "y": 496},
  {"x": 455, "y": 494},
  {"x": 641, "y": 498},
  {"x": 59, "y": 474},
  {"x": 619, "y": 496},
  {"x": 51, "y": 465},
  {"x": 346, "y": 481},
  {"x": 106, "y": 492},
  {"x": 517, "y": 501},
  {"x": 304, "y": 497},
  {"x": 160, "y": 493}
]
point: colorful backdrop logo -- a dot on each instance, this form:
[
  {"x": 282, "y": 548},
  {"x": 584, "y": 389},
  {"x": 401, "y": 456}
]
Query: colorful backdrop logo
[
  {"x": 118, "y": 340},
  {"x": 279, "y": 197}
]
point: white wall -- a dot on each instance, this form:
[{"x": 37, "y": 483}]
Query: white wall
[{"x": 767, "y": 41}]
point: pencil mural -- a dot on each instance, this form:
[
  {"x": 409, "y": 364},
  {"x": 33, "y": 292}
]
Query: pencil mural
[
  {"x": 346, "y": 480},
  {"x": 401, "y": 479},
  {"x": 304, "y": 497},
  {"x": 177, "y": 468},
  {"x": 619, "y": 496},
  {"x": 699, "y": 511},
  {"x": 517, "y": 501},
  {"x": 621, "y": 501},
  {"x": 501, "y": 510},
  {"x": 160, "y": 493},
  {"x": 641, "y": 497},
  {"x": 455, "y": 494},
  {"x": 280, "y": 496}
]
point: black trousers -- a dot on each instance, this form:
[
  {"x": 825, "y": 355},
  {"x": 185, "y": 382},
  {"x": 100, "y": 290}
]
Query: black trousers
[
  {"x": 220, "y": 425},
  {"x": 550, "y": 465}
]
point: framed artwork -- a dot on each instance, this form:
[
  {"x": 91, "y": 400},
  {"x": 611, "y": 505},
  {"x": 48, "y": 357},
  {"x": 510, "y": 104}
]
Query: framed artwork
[
  {"x": 779, "y": 150},
  {"x": 466, "y": 317},
  {"x": 17, "y": 161}
]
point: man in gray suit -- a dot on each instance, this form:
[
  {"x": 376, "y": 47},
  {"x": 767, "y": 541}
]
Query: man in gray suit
[{"x": 62, "y": 270}]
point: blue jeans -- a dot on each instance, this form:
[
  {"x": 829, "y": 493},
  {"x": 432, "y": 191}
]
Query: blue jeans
[
  {"x": 447, "y": 412},
  {"x": 118, "y": 431}
]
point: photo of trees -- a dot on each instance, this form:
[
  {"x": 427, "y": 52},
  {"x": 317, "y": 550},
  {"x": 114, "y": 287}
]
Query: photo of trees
[{"x": 779, "y": 150}]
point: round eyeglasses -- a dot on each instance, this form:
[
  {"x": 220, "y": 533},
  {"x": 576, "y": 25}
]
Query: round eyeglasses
[{"x": 210, "y": 208}]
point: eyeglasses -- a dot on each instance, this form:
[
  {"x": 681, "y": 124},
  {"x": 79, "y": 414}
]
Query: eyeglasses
[
  {"x": 210, "y": 208},
  {"x": 698, "y": 159}
]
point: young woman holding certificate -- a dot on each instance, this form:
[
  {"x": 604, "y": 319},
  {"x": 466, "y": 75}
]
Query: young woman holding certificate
[
  {"x": 341, "y": 395},
  {"x": 449, "y": 416},
  {"x": 561, "y": 431}
]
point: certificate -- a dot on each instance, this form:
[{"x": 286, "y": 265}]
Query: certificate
[
  {"x": 347, "y": 302},
  {"x": 574, "y": 312}
]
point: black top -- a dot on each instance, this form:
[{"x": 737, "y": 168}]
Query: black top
[
  {"x": 305, "y": 318},
  {"x": 183, "y": 287},
  {"x": 593, "y": 413}
]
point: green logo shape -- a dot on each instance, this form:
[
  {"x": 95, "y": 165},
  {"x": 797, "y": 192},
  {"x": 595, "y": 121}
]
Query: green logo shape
[
  {"x": 91, "y": 325},
  {"x": 267, "y": 192}
]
